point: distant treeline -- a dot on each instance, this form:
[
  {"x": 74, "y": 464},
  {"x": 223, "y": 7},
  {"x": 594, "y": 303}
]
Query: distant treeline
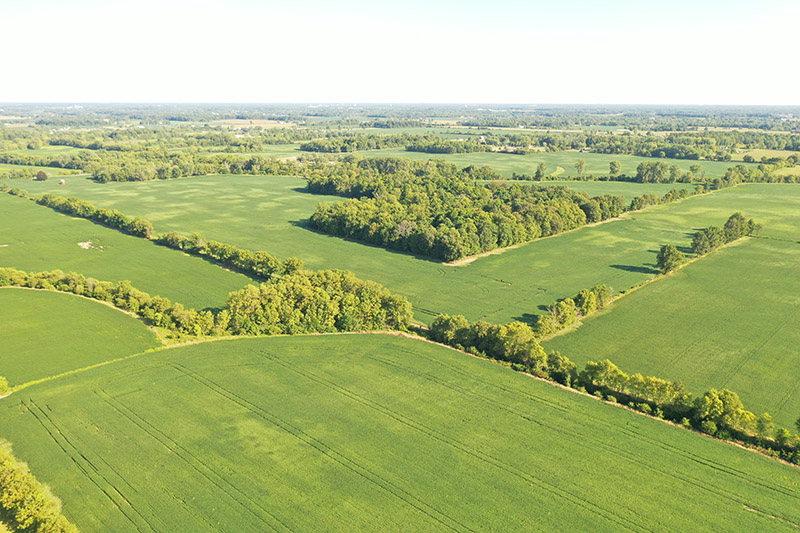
[
  {"x": 716, "y": 412},
  {"x": 434, "y": 209},
  {"x": 25, "y": 504}
]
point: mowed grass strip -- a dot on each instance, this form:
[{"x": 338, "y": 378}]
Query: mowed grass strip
[
  {"x": 44, "y": 333},
  {"x": 366, "y": 432},
  {"x": 730, "y": 320},
  {"x": 36, "y": 238},
  {"x": 269, "y": 213}
]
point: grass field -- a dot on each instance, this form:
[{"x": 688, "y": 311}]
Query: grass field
[
  {"x": 36, "y": 238},
  {"x": 45, "y": 333},
  {"x": 758, "y": 154},
  {"x": 790, "y": 171},
  {"x": 5, "y": 168},
  {"x": 596, "y": 164},
  {"x": 729, "y": 320},
  {"x": 49, "y": 150},
  {"x": 268, "y": 213},
  {"x": 353, "y": 432}
]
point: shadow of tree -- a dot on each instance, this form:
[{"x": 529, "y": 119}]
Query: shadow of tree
[{"x": 645, "y": 269}]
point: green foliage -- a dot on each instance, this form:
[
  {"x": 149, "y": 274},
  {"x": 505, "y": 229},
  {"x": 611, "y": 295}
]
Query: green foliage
[
  {"x": 712, "y": 237},
  {"x": 669, "y": 258},
  {"x": 433, "y": 209},
  {"x": 564, "y": 313},
  {"x": 314, "y": 302},
  {"x": 514, "y": 342},
  {"x": 25, "y": 505},
  {"x": 300, "y": 302},
  {"x": 724, "y": 409},
  {"x": 4, "y": 388}
]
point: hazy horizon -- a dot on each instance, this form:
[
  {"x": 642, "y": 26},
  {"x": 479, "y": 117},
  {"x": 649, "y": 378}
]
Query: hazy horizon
[{"x": 620, "y": 52}]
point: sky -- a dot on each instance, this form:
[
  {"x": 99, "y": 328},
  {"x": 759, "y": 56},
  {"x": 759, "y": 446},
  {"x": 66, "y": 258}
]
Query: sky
[{"x": 557, "y": 51}]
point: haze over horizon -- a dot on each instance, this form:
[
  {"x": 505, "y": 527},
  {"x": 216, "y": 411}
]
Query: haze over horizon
[{"x": 577, "y": 52}]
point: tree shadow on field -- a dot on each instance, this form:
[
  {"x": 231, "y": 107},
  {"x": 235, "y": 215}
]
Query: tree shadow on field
[
  {"x": 529, "y": 318},
  {"x": 646, "y": 269}
]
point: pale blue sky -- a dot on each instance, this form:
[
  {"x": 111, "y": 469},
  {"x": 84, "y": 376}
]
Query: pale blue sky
[{"x": 569, "y": 51}]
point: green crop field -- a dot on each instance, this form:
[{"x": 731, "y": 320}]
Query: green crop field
[
  {"x": 45, "y": 333},
  {"x": 557, "y": 163},
  {"x": 36, "y": 238},
  {"x": 366, "y": 432},
  {"x": 267, "y": 213},
  {"x": 729, "y": 320}
]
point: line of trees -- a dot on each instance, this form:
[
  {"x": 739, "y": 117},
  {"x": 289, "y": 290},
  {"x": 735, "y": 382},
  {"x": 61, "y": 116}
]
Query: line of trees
[
  {"x": 111, "y": 218},
  {"x": 26, "y": 504},
  {"x": 325, "y": 301},
  {"x": 566, "y": 312},
  {"x": 258, "y": 263},
  {"x": 716, "y": 412},
  {"x": 712, "y": 237},
  {"x": 360, "y": 142}
]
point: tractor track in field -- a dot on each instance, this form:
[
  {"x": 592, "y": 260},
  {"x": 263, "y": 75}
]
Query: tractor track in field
[
  {"x": 87, "y": 468},
  {"x": 326, "y": 450},
  {"x": 611, "y": 429},
  {"x": 486, "y": 458},
  {"x": 193, "y": 462}
]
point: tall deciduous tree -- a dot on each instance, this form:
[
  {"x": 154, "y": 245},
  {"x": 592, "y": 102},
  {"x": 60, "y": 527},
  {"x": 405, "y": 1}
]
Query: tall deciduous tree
[{"x": 669, "y": 258}]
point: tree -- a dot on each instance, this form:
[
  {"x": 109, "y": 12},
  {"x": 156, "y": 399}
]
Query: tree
[
  {"x": 669, "y": 258},
  {"x": 614, "y": 169},
  {"x": 580, "y": 164},
  {"x": 540, "y": 171},
  {"x": 41, "y": 176},
  {"x": 797, "y": 424}
]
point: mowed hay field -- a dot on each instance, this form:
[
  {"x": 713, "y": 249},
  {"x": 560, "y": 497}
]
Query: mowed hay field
[
  {"x": 366, "y": 433},
  {"x": 36, "y": 238},
  {"x": 730, "y": 320},
  {"x": 45, "y": 333},
  {"x": 269, "y": 212}
]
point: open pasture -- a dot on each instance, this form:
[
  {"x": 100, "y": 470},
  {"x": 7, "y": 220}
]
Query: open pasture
[
  {"x": 366, "y": 432},
  {"x": 45, "y": 333},
  {"x": 561, "y": 164},
  {"x": 268, "y": 213},
  {"x": 730, "y": 320},
  {"x": 36, "y": 238}
]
